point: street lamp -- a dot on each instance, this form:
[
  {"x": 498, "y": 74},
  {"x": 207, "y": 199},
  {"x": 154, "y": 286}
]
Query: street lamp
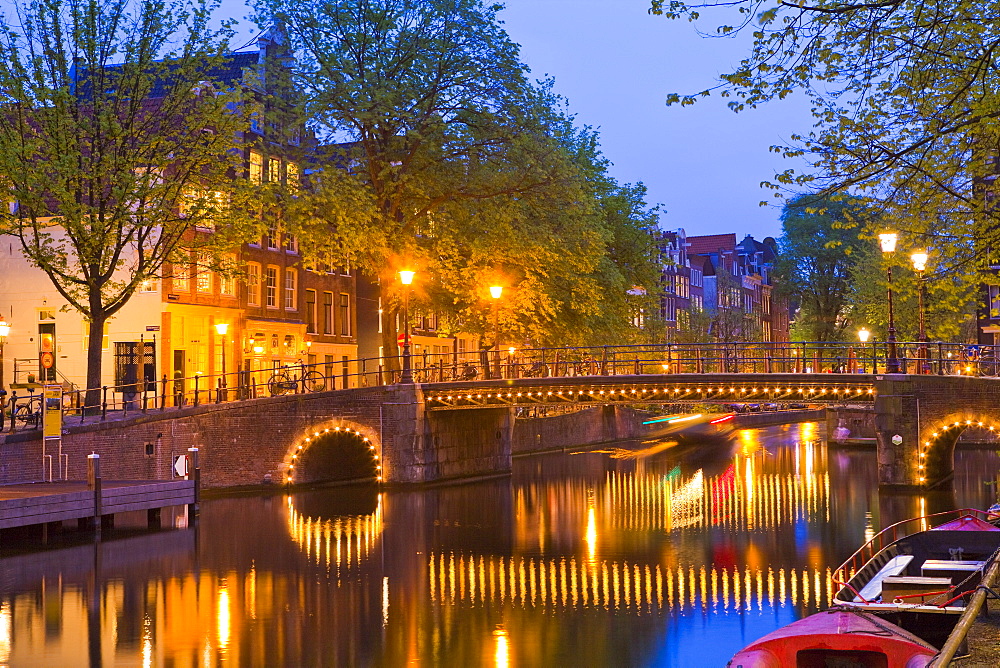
[
  {"x": 406, "y": 278},
  {"x": 863, "y": 336},
  {"x": 888, "y": 242},
  {"x": 495, "y": 291},
  {"x": 221, "y": 328},
  {"x": 4, "y": 331},
  {"x": 919, "y": 259}
]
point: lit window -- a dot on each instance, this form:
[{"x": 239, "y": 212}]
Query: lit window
[
  {"x": 181, "y": 277},
  {"x": 203, "y": 279},
  {"x": 256, "y": 167},
  {"x": 274, "y": 170},
  {"x": 292, "y": 176},
  {"x": 149, "y": 285}
]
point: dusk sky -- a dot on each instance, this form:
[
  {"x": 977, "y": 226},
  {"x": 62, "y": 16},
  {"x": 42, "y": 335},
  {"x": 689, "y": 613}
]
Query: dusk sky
[{"x": 616, "y": 64}]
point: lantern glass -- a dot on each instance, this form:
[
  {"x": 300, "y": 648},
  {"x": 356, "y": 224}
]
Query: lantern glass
[{"x": 888, "y": 241}]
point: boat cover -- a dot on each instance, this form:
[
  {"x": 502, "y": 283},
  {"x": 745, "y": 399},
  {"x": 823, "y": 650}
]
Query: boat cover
[
  {"x": 841, "y": 633},
  {"x": 966, "y": 523}
]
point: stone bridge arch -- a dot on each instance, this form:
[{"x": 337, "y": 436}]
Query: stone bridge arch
[
  {"x": 335, "y": 450},
  {"x": 918, "y": 420},
  {"x": 936, "y": 452}
]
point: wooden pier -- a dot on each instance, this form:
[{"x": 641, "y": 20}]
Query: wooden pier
[{"x": 44, "y": 502}]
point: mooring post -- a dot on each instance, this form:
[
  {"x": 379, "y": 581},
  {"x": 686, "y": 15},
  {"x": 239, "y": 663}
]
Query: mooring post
[
  {"x": 94, "y": 484},
  {"x": 196, "y": 477}
]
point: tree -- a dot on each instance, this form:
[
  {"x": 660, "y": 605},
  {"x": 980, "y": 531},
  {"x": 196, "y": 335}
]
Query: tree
[
  {"x": 113, "y": 145},
  {"x": 441, "y": 155},
  {"x": 906, "y": 105},
  {"x": 818, "y": 252}
]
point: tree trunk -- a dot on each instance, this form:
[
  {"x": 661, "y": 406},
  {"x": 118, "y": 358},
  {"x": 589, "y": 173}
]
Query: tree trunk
[{"x": 94, "y": 359}]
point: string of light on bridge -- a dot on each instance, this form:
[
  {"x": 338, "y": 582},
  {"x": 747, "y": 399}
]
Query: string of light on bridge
[
  {"x": 734, "y": 393},
  {"x": 938, "y": 433},
  {"x": 308, "y": 440}
]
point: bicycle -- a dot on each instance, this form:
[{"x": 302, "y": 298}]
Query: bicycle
[
  {"x": 28, "y": 413},
  {"x": 286, "y": 380}
]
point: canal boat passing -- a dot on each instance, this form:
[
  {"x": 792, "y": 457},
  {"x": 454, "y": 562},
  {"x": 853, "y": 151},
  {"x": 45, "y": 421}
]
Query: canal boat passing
[
  {"x": 923, "y": 580},
  {"x": 840, "y": 637}
]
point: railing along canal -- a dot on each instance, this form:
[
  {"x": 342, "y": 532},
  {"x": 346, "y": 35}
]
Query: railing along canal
[{"x": 20, "y": 411}]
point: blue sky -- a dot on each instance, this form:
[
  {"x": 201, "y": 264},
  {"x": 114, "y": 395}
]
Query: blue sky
[{"x": 616, "y": 64}]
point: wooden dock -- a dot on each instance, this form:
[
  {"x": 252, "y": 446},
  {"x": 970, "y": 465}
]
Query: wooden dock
[{"x": 44, "y": 502}]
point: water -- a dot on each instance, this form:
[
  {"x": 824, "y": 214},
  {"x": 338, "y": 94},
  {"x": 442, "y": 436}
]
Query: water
[{"x": 671, "y": 557}]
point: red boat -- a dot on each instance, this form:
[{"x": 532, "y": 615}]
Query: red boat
[{"x": 837, "y": 637}]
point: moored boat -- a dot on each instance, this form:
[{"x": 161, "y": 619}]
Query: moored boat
[
  {"x": 920, "y": 581},
  {"x": 836, "y": 637}
]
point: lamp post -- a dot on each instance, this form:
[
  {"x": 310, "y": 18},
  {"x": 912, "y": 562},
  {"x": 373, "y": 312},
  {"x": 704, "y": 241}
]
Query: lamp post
[
  {"x": 406, "y": 278},
  {"x": 919, "y": 259},
  {"x": 222, "y": 328},
  {"x": 495, "y": 292},
  {"x": 888, "y": 242},
  {"x": 863, "y": 335},
  {"x": 4, "y": 331}
]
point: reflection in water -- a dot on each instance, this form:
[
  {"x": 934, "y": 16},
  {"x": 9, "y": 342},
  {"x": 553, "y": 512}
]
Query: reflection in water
[
  {"x": 638, "y": 588},
  {"x": 343, "y": 541},
  {"x": 676, "y": 558}
]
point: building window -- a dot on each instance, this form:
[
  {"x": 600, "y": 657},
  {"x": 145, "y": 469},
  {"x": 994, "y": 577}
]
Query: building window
[
  {"x": 227, "y": 285},
  {"x": 203, "y": 279},
  {"x": 345, "y": 314},
  {"x": 291, "y": 244},
  {"x": 271, "y": 286},
  {"x": 105, "y": 344},
  {"x": 149, "y": 285},
  {"x": 271, "y": 237},
  {"x": 253, "y": 284},
  {"x": 292, "y": 176},
  {"x": 311, "y": 311},
  {"x": 274, "y": 170},
  {"x": 256, "y": 167},
  {"x": 328, "y": 313},
  {"x": 290, "y": 278},
  {"x": 181, "y": 277}
]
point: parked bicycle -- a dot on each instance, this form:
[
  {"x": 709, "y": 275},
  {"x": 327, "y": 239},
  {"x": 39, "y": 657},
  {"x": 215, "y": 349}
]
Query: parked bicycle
[
  {"x": 289, "y": 378},
  {"x": 28, "y": 412}
]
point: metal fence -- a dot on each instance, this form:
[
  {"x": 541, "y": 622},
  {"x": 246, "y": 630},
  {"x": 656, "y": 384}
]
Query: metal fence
[{"x": 22, "y": 410}]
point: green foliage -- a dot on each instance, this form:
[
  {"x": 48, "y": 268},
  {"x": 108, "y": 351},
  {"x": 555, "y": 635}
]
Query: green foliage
[
  {"x": 905, "y": 99},
  {"x": 819, "y": 246},
  {"x": 443, "y": 157},
  {"x": 101, "y": 141}
]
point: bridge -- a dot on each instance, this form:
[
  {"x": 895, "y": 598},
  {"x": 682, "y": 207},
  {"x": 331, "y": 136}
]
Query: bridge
[{"x": 430, "y": 431}]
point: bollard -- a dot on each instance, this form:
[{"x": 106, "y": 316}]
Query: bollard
[
  {"x": 195, "y": 475},
  {"x": 94, "y": 484}
]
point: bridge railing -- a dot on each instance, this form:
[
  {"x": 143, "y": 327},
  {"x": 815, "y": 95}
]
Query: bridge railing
[{"x": 22, "y": 408}]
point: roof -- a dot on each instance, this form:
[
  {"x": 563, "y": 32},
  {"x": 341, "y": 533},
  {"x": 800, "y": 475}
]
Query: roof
[{"x": 711, "y": 243}]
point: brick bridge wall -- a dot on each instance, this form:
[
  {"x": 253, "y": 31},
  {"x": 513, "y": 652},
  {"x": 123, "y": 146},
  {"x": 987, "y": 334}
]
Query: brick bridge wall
[
  {"x": 242, "y": 443},
  {"x": 926, "y": 414},
  {"x": 249, "y": 442}
]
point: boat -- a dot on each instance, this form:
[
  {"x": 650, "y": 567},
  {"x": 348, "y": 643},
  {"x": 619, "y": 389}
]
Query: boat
[
  {"x": 836, "y": 637},
  {"x": 920, "y": 581},
  {"x": 690, "y": 426}
]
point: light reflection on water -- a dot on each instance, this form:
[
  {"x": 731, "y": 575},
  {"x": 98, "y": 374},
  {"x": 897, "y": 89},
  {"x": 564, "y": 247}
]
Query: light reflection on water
[{"x": 675, "y": 559}]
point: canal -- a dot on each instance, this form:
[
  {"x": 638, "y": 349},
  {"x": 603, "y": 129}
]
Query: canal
[{"x": 644, "y": 555}]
